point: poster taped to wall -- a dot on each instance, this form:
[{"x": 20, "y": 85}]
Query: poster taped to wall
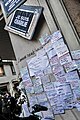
[{"x": 75, "y": 54}]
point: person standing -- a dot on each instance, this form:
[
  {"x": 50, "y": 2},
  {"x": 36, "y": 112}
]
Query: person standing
[{"x": 24, "y": 108}]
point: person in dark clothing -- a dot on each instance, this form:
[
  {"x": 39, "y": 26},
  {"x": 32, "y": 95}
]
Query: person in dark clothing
[
  {"x": 13, "y": 103},
  {"x": 12, "y": 107},
  {"x": 5, "y": 108}
]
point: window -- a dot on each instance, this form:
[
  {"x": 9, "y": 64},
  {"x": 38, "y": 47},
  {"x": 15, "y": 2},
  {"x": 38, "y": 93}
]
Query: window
[
  {"x": 12, "y": 69},
  {"x": 3, "y": 89},
  {"x": 1, "y": 68},
  {"x": 1, "y": 71}
]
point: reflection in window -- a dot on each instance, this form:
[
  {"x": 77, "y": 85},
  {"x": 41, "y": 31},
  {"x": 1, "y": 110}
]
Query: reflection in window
[{"x": 1, "y": 71}]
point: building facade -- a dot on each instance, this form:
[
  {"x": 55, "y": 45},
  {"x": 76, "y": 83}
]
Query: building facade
[
  {"x": 9, "y": 76},
  {"x": 55, "y": 17},
  {"x": 9, "y": 73}
]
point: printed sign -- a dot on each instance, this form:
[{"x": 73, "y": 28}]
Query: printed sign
[
  {"x": 37, "y": 64},
  {"x": 75, "y": 54},
  {"x": 56, "y": 36},
  {"x": 24, "y": 21},
  {"x": 11, "y": 5}
]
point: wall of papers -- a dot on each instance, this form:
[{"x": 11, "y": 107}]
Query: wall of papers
[{"x": 51, "y": 78}]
